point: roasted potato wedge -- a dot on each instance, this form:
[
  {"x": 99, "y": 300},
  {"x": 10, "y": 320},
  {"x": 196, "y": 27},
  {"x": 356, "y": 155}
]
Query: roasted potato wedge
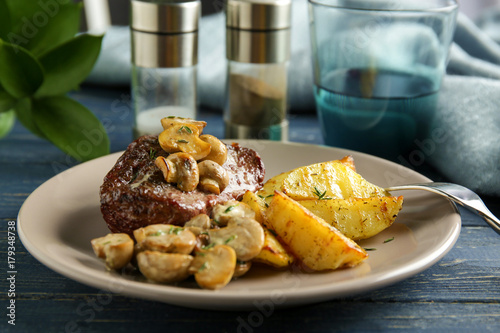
[
  {"x": 278, "y": 182},
  {"x": 328, "y": 180},
  {"x": 271, "y": 185},
  {"x": 257, "y": 204},
  {"x": 317, "y": 244},
  {"x": 348, "y": 161},
  {"x": 336, "y": 193},
  {"x": 357, "y": 218},
  {"x": 272, "y": 253}
]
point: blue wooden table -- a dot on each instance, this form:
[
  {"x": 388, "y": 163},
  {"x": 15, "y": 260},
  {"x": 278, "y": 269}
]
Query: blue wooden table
[{"x": 461, "y": 293}]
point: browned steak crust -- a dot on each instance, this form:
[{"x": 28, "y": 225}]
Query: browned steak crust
[{"x": 134, "y": 193}]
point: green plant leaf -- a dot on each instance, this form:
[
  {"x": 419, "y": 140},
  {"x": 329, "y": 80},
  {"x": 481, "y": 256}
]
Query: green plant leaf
[
  {"x": 67, "y": 65},
  {"x": 7, "y": 120},
  {"x": 20, "y": 9},
  {"x": 7, "y": 102},
  {"x": 21, "y": 16},
  {"x": 24, "y": 113},
  {"x": 61, "y": 25},
  {"x": 71, "y": 127},
  {"x": 41, "y": 24},
  {"x": 20, "y": 73},
  {"x": 5, "y": 24}
]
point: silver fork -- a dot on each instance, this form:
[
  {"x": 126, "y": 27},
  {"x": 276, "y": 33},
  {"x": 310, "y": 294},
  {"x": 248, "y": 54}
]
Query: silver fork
[{"x": 459, "y": 194}]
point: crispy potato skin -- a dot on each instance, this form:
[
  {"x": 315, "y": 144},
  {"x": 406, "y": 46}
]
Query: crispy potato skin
[
  {"x": 348, "y": 161},
  {"x": 314, "y": 242},
  {"x": 357, "y": 218},
  {"x": 273, "y": 253}
]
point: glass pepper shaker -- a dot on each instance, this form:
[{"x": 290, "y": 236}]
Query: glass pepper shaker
[
  {"x": 258, "y": 52},
  {"x": 164, "y": 41}
]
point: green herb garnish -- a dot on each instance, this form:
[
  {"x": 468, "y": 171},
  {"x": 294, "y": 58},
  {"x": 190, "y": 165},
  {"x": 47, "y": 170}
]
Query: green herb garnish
[
  {"x": 230, "y": 208},
  {"x": 233, "y": 237},
  {"x": 185, "y": 128},
  {"x": 175, "y": 230},
  {"x": 158, "y": 233},
  {"x": 370, "y": 249},
  {"x": 183, "y": 141},
  {"x": 209, "y": 246},
  {"x": 152, "y": 153},
  {"x": 203, "y": 267},
  {"x": 264, "y": 198},
  {"x": 320, "y": 195},
  {"x": 389, "y": 240},
  {"x": 272, "y": 232},
  {"x": 134, "y": 177}
]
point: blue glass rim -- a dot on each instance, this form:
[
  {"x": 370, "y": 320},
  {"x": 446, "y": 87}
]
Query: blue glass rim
[{"x": 398, "y": 5}]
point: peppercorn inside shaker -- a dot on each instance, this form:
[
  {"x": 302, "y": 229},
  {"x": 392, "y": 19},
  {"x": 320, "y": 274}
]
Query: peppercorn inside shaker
[
  {"x": 164, "y": 41},
  {"x": 257, "y": 51}
]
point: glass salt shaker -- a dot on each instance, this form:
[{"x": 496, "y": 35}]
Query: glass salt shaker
[
  {"x": 258, "y": 52},
  {"x": 164, "y": 41}
]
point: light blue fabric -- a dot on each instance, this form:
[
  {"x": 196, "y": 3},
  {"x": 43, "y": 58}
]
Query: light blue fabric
[
  {"x": 113, "y": 65},
  {"x": 468, "y": 116},
  {"x": 468, "y": 112}
]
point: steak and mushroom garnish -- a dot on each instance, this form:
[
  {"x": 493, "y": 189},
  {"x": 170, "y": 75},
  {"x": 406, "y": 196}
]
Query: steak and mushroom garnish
[{"x": 171, "y": 178}]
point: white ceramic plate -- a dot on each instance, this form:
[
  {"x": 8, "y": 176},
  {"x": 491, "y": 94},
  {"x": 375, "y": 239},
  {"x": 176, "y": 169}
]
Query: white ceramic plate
[{"x": 58, "y": 220}]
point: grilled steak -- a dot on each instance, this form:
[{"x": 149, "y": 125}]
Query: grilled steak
[{"x": 135, "y": 194}]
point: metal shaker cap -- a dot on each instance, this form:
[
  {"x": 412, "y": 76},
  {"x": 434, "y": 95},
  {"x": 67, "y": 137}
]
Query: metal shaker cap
[
  {"x": 164, "y": 33},
  {"x": 165, "y": 16},
  {"x": 258, "y": 14},
  {"x": 258, "y": 31}
]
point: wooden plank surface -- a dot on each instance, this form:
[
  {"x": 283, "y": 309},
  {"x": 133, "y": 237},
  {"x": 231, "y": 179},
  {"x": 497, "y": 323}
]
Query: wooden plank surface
[{"x": 461, "y": 293}]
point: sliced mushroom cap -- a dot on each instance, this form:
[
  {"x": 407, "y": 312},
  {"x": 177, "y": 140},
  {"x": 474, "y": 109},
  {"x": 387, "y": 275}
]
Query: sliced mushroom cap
[
  {"x": 141, "y": 233},
  {"x": 213, "y": 177},
  {"x": 214, "y": 268},
  {"x": 199, "y": 225},
  {"x": 164, "y": 267},
  {"x": 242, "y": 267},
  {"x": 218, "y": 150},
  {"x": 243, "y": 234},
  {"x": 180, "y": 168},
  {"x": 184, "y": 138},
  {"x": 200, "y": 221},
  {"x": 169, "y": 121},
  {"x": 116, "y": 249},
  {"x": 222, "y": 213},
  {"x": 173, "y": 240}
]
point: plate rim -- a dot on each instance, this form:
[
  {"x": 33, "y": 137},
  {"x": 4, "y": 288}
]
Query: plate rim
[{"x": 208, "y": 299}]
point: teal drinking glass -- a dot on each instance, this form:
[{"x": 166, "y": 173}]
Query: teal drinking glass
[{"x": 378, "y": 67}]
